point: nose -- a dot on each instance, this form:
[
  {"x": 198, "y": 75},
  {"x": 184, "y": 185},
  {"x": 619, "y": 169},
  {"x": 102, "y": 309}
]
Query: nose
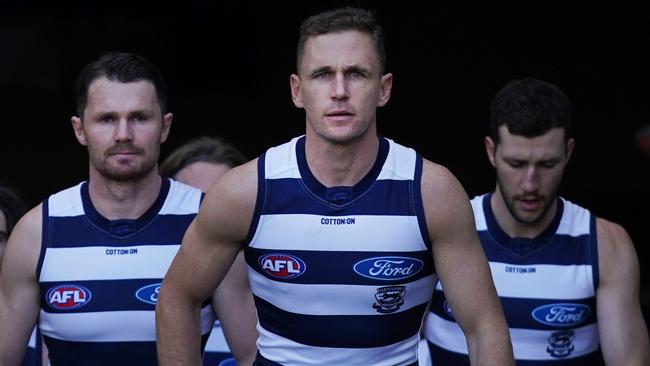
[
  {"x": 530, "y": 181},
  {"x": 124, "y": 131},
  {"x": 339, "y": 87}
]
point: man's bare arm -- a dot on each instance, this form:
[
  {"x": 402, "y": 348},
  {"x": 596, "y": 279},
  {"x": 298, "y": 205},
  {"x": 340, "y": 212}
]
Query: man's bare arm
[
  {"x": 622, "y": 330},
  {"x": 463, "y": 269},
  {"x": 209, "y": 247},
  {"x": 19, "y": 291}
]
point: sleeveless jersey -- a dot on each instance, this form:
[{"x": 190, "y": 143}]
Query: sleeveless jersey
[
  {"x": 217, "y": 352},
  {"x": 100, "y": 278},
  {"x": 340, "y": 275},
  {"x": 548, "y": 294}
]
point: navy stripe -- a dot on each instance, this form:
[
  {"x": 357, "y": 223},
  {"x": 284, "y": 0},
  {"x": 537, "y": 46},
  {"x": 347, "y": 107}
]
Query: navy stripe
[
  {"x": 443, "y": 357},
  {"x": 109, "y": 295},
  {"x": 417, "y": 201},
  {"x": 341, "y": 331},
  {"x": 519, "y": 312},
  {"x": 261, "y": 361},
  {"x": 593, "y": 250},
  {"x": 338, "y": 268},
  {"x": 260, "y": 201},
  {"x": 76, "y": 231},
  {"x": 387, "y": 197},
  {"x": 66, "y": 353},
  {"x": 215, "y": 359},
  {"x": 562, "y": 250}
]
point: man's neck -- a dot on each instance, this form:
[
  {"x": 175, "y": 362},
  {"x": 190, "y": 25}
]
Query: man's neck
[
  {"x": 341, "y": 164},
  {"x": 515, "y": 228},
  {"x": 123, "y": 200}
]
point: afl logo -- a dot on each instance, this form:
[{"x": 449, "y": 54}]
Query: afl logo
[
  {"x": 67, "y": 297},
  {"x": 149, "y": 294},
  {"x": 388, "y": 268},
  {"x": 282, "y": 266},
  {"x": 562, "y": 315}
]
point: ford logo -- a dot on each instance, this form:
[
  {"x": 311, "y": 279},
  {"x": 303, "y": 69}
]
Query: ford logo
[
  {"x": 388, "y": 268},
  {"x": 149, "y": 294},
  {"x": 563, "y": 315}
]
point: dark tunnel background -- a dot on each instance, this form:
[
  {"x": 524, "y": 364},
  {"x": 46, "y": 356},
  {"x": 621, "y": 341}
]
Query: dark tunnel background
[{"x": 227, "y": 66}]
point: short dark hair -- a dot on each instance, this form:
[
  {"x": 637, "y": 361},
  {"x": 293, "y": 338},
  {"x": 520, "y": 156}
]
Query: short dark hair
[
  {"x": 122, "y": 67},
  {"x": 204, "y": 149},
  {"x": 339, "y": 20},
  {"x": 530, "y": 108},
  {"x": 11, "y": 204}
]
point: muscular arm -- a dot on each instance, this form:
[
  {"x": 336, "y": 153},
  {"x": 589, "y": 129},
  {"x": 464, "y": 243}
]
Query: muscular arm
[
  {"x": 209, "y": 247},
  {"x": 233, "y": 295},
  {"x": 463, "y": 269},
  {"x": 622, "y": 330},
  {"x": 19, "y": 291}
]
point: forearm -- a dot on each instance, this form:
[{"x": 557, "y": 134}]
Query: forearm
[
  {"x": 178, "y": 336},
  {"x": 490, "y": 347}
]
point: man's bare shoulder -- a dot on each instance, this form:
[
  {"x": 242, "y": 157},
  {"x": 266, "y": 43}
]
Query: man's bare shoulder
[
  {"x": 24, "y": 244},
  {"x": 614, "y": 243},
  {"x": 438, "y": 181}
]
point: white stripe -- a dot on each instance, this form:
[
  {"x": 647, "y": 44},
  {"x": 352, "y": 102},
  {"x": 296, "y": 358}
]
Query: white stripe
[
  {"x": 289, "y": 353},
  {"x": 317, "y": 299},
  {"x": 528, "y": 344},
  {"x": 346, "y": 237},
  {"x": 575, "y": 220},
  {"x": 479, "y": 214},
  {"x": 400, "y": 163},
  {"x": 66, "y": 203},
  {"x": 93, "y": 263},
  {"x": 109, "y": 326},
  {"x": 181, "y": 200},
  {"x": 32, "y": 339},
  {"x": 217, "y": 340},
  {"x": 549, "y": 281},
  {"x": 280, "y": 161}
]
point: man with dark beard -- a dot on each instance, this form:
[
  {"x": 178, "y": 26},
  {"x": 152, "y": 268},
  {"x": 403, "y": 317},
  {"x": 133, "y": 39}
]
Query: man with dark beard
[
  {"x": 88, "y": 261},
  {"x": 568, "y": 280}
]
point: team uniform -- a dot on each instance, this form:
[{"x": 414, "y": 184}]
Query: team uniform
[
  {"x": 217, "y": 352},
  {"x": 33, "y": 354},
  {"x": 547, "y": 287},
  {"x": 100, "y": 278},
  {"x": 340, "y": 275}
]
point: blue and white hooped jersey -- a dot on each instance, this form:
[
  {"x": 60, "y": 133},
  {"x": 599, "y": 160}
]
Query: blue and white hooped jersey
[
  {"x": 100, "y": 278},
  {"x": 548, "y": 294},
  {"x": 340, "y": 275}
]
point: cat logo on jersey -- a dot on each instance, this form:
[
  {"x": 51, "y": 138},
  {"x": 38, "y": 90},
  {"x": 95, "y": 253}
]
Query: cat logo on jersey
[
  {"x": 67, "y": 297},
  {"x": 560, "y": 344},
  {"x": 149, "y": 294},
  {"x": 283, "y": 266},
  {"x": 389, "y": 299}
]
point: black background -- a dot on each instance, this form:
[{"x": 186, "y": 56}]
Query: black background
[{"x": 227, "y": 66}]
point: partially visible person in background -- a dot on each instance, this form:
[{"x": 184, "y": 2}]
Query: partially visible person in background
[
  {"x": 199, "y": 163},
  {"x": 87, "y": 262},
  {"x": 12, "y": 208},
  {"x": 568, "y": 280}
]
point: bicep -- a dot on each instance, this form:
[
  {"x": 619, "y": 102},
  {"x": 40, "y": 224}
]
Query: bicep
[
  {"x": 459, "y": 258},
  {"x": 623, "y": 332},
  {"x": 19, "y": 291},
  {"x": 213, "y": 239}
]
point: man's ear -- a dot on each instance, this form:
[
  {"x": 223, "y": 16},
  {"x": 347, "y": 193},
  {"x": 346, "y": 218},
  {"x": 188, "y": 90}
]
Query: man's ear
[
  {"x": 490, "y": 149},
  {"x": 386, "y": 86},
  {"x": 294, "y": 83},
  {"x": 78, "y": 127}
]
